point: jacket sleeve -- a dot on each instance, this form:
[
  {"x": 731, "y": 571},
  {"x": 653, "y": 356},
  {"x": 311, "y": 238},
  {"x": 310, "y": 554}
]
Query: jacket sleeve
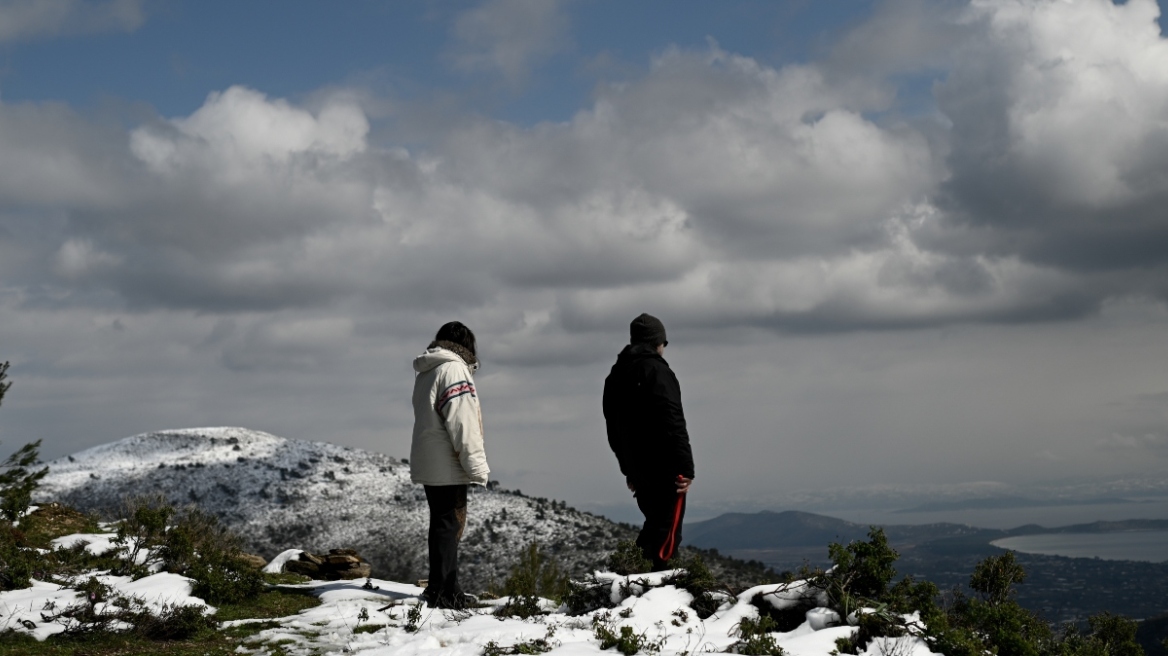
[
  {"x": 667, "y": 406},
  {"x": 458, "y": 405},
  {"x": 617, "y": 441}
]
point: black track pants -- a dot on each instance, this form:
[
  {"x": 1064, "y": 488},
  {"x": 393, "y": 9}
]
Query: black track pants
[
  {"x": 447, "y": 521},
  {"x": 658, "y": 502}
]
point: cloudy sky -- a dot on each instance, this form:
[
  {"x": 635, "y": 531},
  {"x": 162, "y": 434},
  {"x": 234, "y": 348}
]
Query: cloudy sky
[{"x": 902, "y": 242}]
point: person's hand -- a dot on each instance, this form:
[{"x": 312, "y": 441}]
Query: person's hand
[{"x": 683, "y": 484}]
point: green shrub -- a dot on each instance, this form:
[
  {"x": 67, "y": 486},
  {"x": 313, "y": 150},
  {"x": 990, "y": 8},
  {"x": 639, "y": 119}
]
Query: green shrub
[
  {"x": 1110, "y": 635},
  {"x": 628, "y": 559},
  {"x": 992, "y": 622},
  {"x": 413, "y": 618},
  {"x": 754, "y": 637},
  {"x": 224, "y": 582},
  {"x": 142, "y": 528},
  {"x": 195, "y": 545},
  {"x": 522, "y": 606},
  {"x": 699, "y": 582},
  {"x": 533, "y": 646},
  {"x": 996, "y": 576},
  {"x": 587, "y": 595},
  {"x": 535, "y": 575},
  {"x": 198, "y": 546},
  {"x": 171, "y": 622},
  {"x": 17, "y": 480},
  {"x": 625, "y": 639},
  {"x": 862, "y": 572},
  {"x": 18, "y": 563}
]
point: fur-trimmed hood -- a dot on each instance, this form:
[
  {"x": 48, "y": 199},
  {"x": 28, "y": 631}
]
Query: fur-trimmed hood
[{"x": 441, "y": 351}]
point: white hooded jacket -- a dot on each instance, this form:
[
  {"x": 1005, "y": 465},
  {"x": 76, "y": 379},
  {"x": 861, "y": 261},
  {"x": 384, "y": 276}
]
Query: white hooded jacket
[{"x": 447, "y": 446}]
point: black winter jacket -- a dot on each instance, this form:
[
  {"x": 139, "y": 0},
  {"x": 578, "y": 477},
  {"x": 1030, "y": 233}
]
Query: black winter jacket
[{"x": 646, "y": 426}]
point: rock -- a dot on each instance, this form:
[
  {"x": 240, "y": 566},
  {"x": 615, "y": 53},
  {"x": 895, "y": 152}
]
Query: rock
[
  {"x": 344, "y": 564},
  {"x": 251, "y": 560},
  {"x": 307, "y": 568}
]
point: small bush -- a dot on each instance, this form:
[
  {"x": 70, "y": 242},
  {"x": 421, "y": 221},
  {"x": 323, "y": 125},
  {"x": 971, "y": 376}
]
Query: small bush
[
  {"x": 537, "y": 567},
  {"x": 533, "y": 646},
  {"x": 225, "y": 582},
  {"x": 625, "y": 639},
  {"x": 522, "y": 606},
  {"x": 862, "y": 572},
  {"x": 196, "y": 545},
  {"x": 628, "y": 559},
  {"x": 142, "y": 528},
  {"x": 846, "y": 645},
  {"x": 413, "y": 618},
  {"x": 171, "y": 622},
  {"x": 699, "y": 582},
  {"x": 18, "y": 481},
  {"x": 587, "y": 595},
  {"x": 535, "y": 575},
  {"x": 18, "y": 563},
  {"x": 754, "y": 637},
  {"x": 996, "y": 576}
]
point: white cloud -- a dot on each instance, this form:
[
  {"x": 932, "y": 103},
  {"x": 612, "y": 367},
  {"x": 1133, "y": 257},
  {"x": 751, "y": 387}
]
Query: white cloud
[
  {"x": 240, "y": 130},
  {"x": 1058, "y": 138},
  {"x": 28, "y": 19},
  {"x": 508, "y": 37},
  {"x": 1088, "y": 89}
]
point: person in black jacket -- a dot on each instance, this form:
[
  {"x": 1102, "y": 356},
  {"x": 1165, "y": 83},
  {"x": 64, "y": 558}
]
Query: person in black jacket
[{"x": 646, "y": 430}]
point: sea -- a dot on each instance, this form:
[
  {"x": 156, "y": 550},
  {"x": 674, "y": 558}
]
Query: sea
[
  {"x": 1149, "y": 546},
  {"x": 1007, "y": 518}
]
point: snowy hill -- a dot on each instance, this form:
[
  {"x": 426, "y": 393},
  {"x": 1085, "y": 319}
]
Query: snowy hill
[{"x": 281, "y": 493}]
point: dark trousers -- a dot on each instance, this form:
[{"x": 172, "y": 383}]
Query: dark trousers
[
  {"x": 658, "y": 503},
  {"x": 447, "y": 521}
]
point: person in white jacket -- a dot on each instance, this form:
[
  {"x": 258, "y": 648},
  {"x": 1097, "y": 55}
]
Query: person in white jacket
[{"x": 447, "y": 453}]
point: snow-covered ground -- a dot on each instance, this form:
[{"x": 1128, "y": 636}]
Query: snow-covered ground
[
  {"x": 284, "y": 493},
  {"x": 374, "y": 618}
]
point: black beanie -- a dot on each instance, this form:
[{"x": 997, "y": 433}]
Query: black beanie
[{"x": 647, "y": 329}]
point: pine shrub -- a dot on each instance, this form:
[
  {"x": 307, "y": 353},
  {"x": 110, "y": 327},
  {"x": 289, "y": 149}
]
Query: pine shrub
[
  {"x": 535, "y": 575},
  {"x": 754, "y": 637},
  {"x": 628, "y": 559}
]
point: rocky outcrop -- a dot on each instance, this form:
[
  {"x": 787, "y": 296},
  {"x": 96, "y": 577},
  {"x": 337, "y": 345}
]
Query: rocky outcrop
[{"x": 336, "y": 564}]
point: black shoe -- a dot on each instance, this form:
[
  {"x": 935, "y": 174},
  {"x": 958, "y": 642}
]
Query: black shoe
[
  {"x": 430, "y": 597},
  {"x": 458, "y": 601}
]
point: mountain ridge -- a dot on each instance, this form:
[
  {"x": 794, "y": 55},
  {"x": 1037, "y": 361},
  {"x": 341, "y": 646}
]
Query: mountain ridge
[{"x": 280, "y": 493}]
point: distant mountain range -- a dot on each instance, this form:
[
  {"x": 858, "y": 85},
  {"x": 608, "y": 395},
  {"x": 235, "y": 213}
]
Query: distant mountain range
[{"x": 793, "y": 530}]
